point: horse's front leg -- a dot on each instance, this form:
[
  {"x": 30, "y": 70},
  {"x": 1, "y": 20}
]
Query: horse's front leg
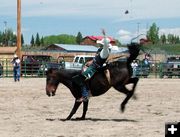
[
  {"x": 85, "y": 108},
  {"x": 74, "y": 109}
]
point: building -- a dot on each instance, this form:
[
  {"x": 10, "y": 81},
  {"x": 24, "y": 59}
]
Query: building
[
  {"x": 91, "y": 40},
  {"x": 6, "y": 55},
  {"x": 7, "y": 52}
]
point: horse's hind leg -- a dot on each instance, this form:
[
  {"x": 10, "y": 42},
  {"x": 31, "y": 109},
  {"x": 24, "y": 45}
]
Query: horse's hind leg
[
  {"x": 123, "y": 89},
  {"x": 134, "y": 81},
  {"x": 74, "y": 109},
  {"x": 129, "y": 93}
]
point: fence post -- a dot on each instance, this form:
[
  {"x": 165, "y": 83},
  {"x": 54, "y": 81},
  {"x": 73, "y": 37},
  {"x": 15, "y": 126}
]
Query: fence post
[
  {"x": 160, "y": 70},
  {"x": 6, "y": 68}
]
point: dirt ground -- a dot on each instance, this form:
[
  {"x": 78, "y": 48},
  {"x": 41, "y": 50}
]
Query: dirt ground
[{"x": 26, "y": 111}]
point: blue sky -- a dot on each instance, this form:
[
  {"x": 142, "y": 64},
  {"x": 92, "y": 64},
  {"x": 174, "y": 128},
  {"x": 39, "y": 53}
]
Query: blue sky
[{"x": 53, "y": 17}]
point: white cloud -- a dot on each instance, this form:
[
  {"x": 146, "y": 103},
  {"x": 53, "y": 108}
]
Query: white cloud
[
  {"x": 124, "y": 32},
  {"x": 124, "y": 36}
]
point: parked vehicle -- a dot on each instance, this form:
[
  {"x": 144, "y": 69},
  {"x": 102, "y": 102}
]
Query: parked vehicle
[
  {"x": 78, "y": 62},
  {"x": 46, "y": 66},
  {"x": 170, "y": 68},
  {"x": 143, "y": 70},
  {"x": 31, "y": 64}
]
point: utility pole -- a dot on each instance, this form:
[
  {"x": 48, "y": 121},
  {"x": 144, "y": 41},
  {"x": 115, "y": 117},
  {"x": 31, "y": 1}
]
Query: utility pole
[
  {"x": 18, "y": 28},
  {"x": 138, "y": 27}
]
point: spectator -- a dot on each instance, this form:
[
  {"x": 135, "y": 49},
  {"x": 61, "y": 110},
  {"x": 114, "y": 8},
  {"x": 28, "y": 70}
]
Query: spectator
[
  {"x": 16, "y": 68},
  {"x": 146, "y": 59},
  {"x": 62, "y": 62},
  {"x": 134, "y": 66}
]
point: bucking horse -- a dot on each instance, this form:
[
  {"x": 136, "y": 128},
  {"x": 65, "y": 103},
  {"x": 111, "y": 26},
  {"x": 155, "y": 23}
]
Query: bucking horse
[{"x": 119, "y": 72}]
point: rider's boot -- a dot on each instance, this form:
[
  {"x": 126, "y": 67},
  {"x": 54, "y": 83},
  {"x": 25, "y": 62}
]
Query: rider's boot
[{"x": 85, "y": 94}]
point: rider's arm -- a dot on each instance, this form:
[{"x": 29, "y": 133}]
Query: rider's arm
[
  {"x": 89, "y": 63},
  {"x": 105, "y": 51}
]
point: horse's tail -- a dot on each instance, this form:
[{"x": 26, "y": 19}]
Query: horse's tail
[{"x": 134, "y": 49}]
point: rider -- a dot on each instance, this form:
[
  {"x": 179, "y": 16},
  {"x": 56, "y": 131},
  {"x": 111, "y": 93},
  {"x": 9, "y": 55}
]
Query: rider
[{"x": 98, "y": 61}]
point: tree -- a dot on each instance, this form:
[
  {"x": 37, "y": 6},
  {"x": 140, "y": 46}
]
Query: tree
[
  {"x": 14, "y": 39},
  {"x": 152, "y": 34},
  {"x": 118, "y": 43},
  {"x": 177, "y": 40},
  {"x": 7, "y": 37},
  {"x": 1, "y": 38},
  {"x": 22, "y": 39},
  {"x": 37, "y": 41},
  {"x": 61, "y": 39},
  {"x": 79, "y": 38},
  {"x": 42, "y": 41},
  {"x": 32, "y": 41},
  {"x": 170, "y": 38},
  {"x": 163, "y": 39}
]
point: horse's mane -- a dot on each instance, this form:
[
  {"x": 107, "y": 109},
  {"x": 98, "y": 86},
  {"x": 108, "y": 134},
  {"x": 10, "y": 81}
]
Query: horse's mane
[
  {"x": 64, "y": 72},
  {"x": 69, "y": 73}
]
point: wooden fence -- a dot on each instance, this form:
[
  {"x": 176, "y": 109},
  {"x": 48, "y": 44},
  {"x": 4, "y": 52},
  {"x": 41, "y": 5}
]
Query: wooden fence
[{"x": 6, "y": 68}]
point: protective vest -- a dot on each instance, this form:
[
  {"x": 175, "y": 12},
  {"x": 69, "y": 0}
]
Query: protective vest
[{"x": 98, "y": 61}]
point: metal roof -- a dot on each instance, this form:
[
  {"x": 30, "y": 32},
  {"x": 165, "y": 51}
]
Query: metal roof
[
  {"x": 119, "y": 50},
  {"x": 77, "y": 48},
  {"x": 88, "y": 48}
]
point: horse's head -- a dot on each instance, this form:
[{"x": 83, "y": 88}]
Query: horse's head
[{"x": 52, "y": 82}]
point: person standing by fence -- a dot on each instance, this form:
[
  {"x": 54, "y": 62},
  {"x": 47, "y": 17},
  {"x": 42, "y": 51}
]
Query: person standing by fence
[
  {"x": 16, "y": 68},
  {"x": 134, "y": 66}
]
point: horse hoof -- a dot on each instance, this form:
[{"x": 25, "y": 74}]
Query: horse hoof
[
  {"x": 122, "y": 108},
  {"x": 68, "y": 118},
  {"x": 80, "y": 118}
]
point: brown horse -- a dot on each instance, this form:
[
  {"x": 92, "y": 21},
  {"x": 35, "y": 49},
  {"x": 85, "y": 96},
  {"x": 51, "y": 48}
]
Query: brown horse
[{"x": 120, "y": 75}]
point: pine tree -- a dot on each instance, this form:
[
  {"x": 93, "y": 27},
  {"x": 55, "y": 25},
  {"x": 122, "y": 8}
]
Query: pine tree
[
  {"x": 22, "y": 39},
  {"x": 178, "y": 40},
  {"x": 14, "y": 39},
  {"x": 163, "y": 39},
  {"x": 37, "y": 41},
  {"x": 42, "y": 41},
  {"x": 32, "y": 41},
  {"x": 1, "y": 38},
  {"x": 79, "y": 38}
]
